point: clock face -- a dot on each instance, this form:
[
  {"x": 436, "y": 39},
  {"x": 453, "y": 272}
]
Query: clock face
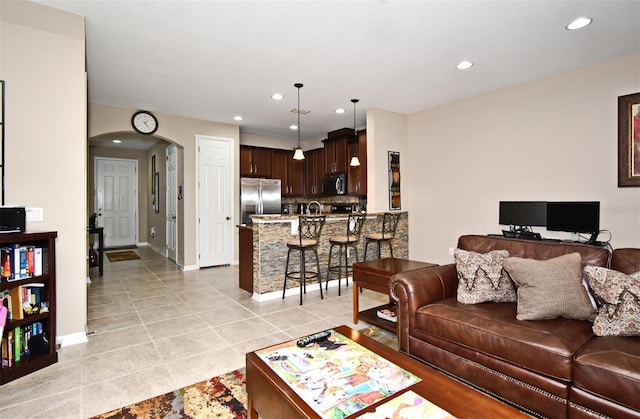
[{"x": 144, "y": 122}]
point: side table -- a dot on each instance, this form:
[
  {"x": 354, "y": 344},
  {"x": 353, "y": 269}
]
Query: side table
[
  {"x": 100, "y": 232},
  {"x": 376, "y": 276}
]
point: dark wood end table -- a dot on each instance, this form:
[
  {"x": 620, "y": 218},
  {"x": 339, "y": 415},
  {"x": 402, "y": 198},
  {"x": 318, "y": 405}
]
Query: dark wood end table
[{"x": 376, "y": 275}]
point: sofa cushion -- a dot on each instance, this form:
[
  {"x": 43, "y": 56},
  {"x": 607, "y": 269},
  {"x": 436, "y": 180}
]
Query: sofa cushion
[
  {"x": 546, "y": 347},
  {"x": 482, "y": 278},
  {"x": 608, "y": 367},
  {"x": 619, "y": 296},
  {"x": 550, "y": 288}
]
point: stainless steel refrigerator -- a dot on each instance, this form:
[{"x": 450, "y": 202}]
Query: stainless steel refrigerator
[{"x": 259, "y": 196}]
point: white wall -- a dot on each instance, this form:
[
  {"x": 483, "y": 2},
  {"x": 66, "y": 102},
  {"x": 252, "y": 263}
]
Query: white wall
[
  {"x": 182, "y": 131},
  {"x": 42, "y": 62},
  {"x": 552, "y": 139},
  {"x": 386, "y": 131}
]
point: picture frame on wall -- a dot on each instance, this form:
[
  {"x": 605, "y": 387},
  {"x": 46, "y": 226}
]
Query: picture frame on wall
[
  {"x": 153, "y": 173},
  {"x": 156, "y": 197},
  {"x": 629, "y": 140},
  {"x": 394, "y": 180}
]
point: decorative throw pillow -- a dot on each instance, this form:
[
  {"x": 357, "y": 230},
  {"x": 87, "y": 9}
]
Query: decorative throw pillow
[
  {"x": 619, "y": 296},
  {"x": 550, "y": 288},
  {"x": 481, "y": 277}
]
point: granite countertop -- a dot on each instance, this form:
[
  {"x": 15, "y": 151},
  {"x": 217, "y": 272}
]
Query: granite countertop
[{"x": 289, "y": 217}]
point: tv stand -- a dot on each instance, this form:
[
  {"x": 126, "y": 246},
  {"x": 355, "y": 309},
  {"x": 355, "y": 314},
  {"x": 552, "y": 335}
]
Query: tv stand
[{"x": 521, "y": 234}]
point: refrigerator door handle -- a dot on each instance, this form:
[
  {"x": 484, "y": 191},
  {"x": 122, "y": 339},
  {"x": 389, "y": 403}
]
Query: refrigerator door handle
[{"x": 259, "y": 206}]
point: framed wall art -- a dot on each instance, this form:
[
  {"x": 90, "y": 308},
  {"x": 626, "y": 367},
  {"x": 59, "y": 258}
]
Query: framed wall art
[
  {"x": 153, "y": 172},
  {"x": 156, "y": 196},
  {"x": 394, "y": 180},
  {"x": 629, "y": 140}
]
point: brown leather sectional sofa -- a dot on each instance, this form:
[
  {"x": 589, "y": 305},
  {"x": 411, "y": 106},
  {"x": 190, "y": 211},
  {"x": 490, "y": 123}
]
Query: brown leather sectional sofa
[{"x": 549, "y": 368}]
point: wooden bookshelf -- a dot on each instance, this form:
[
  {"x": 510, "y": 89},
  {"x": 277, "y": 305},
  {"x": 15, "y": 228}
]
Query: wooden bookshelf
[{"x": 46, "y": 320}]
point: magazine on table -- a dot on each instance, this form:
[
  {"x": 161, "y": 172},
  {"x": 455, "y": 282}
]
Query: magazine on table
[
  {"x": 334, "y": 375},
  {"x": 408, "y": 405}
]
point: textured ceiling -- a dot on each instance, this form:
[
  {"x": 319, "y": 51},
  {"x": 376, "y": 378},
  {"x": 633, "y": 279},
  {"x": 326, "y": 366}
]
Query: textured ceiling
[{"x": 212, "y": 60}]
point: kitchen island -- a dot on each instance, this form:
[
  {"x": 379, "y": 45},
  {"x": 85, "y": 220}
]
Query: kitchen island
[{"x": 270, "y": 234}]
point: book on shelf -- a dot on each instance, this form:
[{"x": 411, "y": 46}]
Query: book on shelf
[
  {"x": 24, "y": 300},
  {"x": 21, "y": 262},
  {"x": 15, "y": 345},
  {"x": 387, "y": 314}
]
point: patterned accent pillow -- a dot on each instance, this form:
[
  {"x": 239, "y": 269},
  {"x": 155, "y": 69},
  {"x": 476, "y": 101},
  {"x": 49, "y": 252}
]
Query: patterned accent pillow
[
  {"x": 481, "y": 277},
  {"x": 550, "y": 288},
  {"x": 619, "y": 296}
]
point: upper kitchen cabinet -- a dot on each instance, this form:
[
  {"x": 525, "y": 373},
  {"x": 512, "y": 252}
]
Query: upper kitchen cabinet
[
  {"x": 255, "y": 161},
  {"x": 335, "y": 150},
  {"x": 314, "y": 167},
  {"x": 290, "y": 171},
  {"x": 357, "y": 175}
]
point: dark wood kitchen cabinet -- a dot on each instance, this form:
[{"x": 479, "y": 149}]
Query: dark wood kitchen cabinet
[
  {"x": 335, "y": 150},
  {"x": 289, "y": 171},
  {"x": 314, "y": 168},
  {"x": 357, "y": 175},
  {"x": 255, "y": 161}
]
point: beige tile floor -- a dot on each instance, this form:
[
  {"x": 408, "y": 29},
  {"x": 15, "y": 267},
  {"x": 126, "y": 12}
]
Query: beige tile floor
[{"x": 153, "y": 329}]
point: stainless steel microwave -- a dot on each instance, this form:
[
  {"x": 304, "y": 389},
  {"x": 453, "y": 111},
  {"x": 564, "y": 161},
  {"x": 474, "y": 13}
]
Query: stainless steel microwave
[{"x": 334, "y": 184}]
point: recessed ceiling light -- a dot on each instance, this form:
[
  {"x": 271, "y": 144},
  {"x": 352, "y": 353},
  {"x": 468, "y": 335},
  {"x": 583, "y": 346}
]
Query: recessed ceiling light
[
  {"x": 238, "y": 118},
  {"x": 340, "y": 110},
  {"x": 277, "y": 96},
  {"x": 293, "y": 126},
  {"x": 117, "y": 141},
  {"x": 579, "y": 23},
  {"x": 463, "y": 65}
]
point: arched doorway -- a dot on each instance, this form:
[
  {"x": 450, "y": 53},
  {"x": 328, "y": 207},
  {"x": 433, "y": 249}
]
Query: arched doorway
[{"x": 153, "y": 199}]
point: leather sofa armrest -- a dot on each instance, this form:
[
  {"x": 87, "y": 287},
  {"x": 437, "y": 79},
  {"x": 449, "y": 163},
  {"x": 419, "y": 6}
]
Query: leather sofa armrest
[{"x": 414, "y": 289}]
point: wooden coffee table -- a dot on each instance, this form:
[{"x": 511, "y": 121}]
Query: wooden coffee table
[
  {"x": 376, "y": 275},
  {"x": 270, "y": 397}
]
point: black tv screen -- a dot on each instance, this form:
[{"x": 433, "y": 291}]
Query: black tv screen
[
  {"x": 523, "y": 213},
  {"x": 574, "y": 217}
]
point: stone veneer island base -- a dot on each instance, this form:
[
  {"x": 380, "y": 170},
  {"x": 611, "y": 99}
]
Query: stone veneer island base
[{"x": 270, "y": 237}]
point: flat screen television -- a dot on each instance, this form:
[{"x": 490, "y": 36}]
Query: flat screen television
[
  {"x": 523, "y": 213},
  {"x": 574, "y": 217}
]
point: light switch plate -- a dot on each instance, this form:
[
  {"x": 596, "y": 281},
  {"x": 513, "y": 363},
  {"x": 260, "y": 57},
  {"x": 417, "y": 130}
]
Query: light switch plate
[{"x": 34, "y": 214}]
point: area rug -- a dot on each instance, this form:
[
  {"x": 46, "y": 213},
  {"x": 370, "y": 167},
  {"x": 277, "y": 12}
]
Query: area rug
[
  {"x": 219, "y": 397},
  {"x": 120, "y": 256}
]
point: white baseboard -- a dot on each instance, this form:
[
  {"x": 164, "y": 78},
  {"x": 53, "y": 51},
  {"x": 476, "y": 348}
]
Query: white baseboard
[
  {"x": 186, "y": 268},
  {"x": 292, "y": 291},
  {"x": 72, "y": 339}
]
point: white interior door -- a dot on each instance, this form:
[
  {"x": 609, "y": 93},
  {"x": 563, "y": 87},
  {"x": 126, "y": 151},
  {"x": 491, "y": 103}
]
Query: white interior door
[
  {"x": 116, "y": 200},
  {"x": 172, "y": 202},
  {"x": 215, "y": 201}
]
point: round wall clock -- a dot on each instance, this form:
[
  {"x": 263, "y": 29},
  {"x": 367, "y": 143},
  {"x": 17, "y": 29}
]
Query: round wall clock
[{"x": 144, "y": 122}]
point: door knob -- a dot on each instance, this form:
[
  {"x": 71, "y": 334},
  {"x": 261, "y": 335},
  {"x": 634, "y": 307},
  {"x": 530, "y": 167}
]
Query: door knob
[{"x": 227, "y": 218}]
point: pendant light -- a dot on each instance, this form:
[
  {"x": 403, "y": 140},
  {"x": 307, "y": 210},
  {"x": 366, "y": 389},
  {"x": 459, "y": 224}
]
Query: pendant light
[
  {"x": 355, "y": 161},
  {"x": 297, "y": 152}
]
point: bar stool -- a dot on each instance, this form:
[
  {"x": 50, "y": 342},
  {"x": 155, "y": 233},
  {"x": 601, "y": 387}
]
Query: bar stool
[
  {"x": 354, "y": 227},
  {"x": 309, "y": 231},
  {"x": 389, "y": 224}
]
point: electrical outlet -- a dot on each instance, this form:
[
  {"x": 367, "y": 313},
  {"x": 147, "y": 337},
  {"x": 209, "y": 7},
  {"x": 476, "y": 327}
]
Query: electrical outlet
[
  {"x": 153, "y": 232},
  {"x": 451, "y": 251}
]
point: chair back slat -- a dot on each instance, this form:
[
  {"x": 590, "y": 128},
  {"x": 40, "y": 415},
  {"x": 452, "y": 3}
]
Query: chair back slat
[
  {"x": 389, "y": 224},
  {"x": 310, "y": 227},
  {"x": 354, "y": 226}
]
